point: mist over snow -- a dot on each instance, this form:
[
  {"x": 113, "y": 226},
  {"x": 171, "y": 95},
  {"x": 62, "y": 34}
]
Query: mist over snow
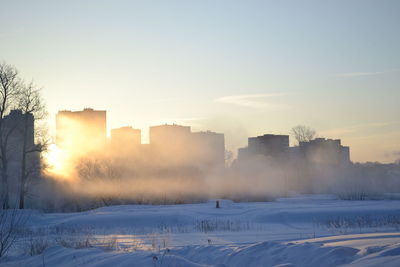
[
  {"x": 199, "y": 133},
  {"x": 311, "y": 230}
]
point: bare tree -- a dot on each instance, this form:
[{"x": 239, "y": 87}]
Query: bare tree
[
  {"x": 303, "y": 133},
  {"x": 10, "y": 86},
  {"x": 100, "y": 169},
  {"x": 31, "y": 104},
  {"x": 17, "y": 142}
]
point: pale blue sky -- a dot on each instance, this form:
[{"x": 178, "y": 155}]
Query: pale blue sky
[{"x": 240, "y": 67}]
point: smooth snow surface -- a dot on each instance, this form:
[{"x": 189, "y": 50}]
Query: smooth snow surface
[{"x": 298, "y": 231}]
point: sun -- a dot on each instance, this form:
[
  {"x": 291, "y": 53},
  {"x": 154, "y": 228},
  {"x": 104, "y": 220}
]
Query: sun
[{"x": 55, "y": 161}]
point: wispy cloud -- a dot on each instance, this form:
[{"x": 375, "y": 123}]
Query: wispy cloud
[
  {"x": 359, "y": 74},
  {"x": 258, "y": 101},
  {"x": 357, "y": 128}
]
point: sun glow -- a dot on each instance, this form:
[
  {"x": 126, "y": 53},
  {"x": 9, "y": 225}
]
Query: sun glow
[
  {"x": 57, "y": 162},
  {"x": 79, "y": 134}
]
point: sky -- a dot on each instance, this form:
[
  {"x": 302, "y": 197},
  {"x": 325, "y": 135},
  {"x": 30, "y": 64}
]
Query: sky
[{"x": 244, "y": 68}]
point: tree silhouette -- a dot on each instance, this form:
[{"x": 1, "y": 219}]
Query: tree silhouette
[{"x": 303, "y": 133}]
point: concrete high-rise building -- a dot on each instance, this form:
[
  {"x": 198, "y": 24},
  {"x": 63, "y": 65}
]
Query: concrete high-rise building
[
  {"x": 177, "y": 144},
  {"x": 81, "y": 130},
  {"x": 271, "y": 145},
  {"x": 209, "y": 148},
  {"x": 13, "y": 126},
  {"x": 327, "y": 151},
  {"x": 125, "y": 139},
  {"x": 171, "y": 135},
  {"x": 18, "y": 128},
  {"x": 170, "y": 144}
]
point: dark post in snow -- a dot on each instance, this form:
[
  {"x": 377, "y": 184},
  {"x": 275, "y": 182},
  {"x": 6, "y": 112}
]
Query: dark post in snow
[{"x": 217, "y": 204}]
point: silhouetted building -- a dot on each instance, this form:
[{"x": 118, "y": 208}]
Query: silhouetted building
[
  {"x": 177, "y": 145},
  {"x": 81, "y": 130},
  {"x": 125, "y": 139},
  {"x": 171, "y": 144},
  {"x": 327, "y": 151},
  {"x": 210, "y": 148},
  {"x": 169, "y": 134},
  {"x": 243, "y": 153},
  {"x": 269, "y": 145},
  {"x": 13, "y": 126},
  {"x": 17, "y": 127}
]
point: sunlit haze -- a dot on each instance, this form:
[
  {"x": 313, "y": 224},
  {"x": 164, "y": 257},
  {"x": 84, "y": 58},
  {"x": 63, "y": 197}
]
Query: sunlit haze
[
  {"x": 243, "y": 68},
  {"x": 200, "y": 133}
]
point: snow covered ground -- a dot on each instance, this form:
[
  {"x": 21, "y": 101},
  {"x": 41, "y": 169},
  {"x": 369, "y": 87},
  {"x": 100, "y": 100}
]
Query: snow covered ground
[{"x": 314, "y": 230}]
